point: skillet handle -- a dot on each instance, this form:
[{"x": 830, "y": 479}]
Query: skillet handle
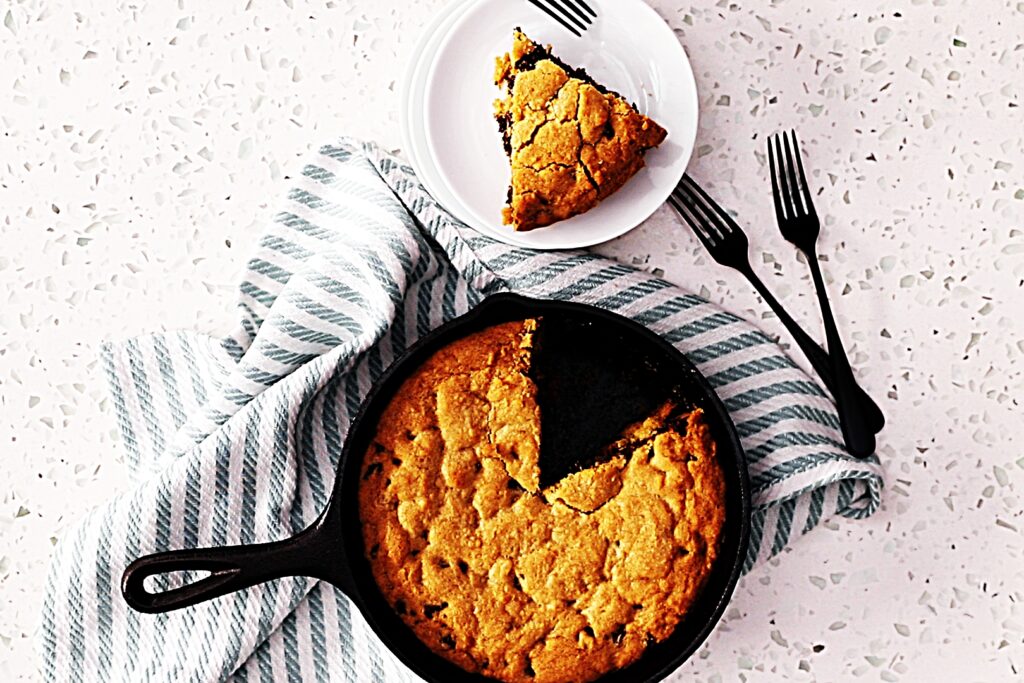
[{"x": 232, "y": 568}]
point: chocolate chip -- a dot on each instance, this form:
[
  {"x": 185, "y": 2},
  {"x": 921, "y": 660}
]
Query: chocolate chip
[
  {"x": 443, "y": 564},
  {"x": 409, "y": 435},
  {"x": 513, "y": 485},
  {"x": 505, "y": 128},
  {"x": 430, "y": 610},
  {"x": 637, "y": 606},
  {"x": 515, "y": 583},
  {"x": 478, "y": 466},
  {"x": 396, "y": 462},
  {"x": 463, "y": 567},
  {"x": 619, "y": 634},
  {"x": 609, "y": 131},
  {"x": 650, "y": 640},
  {"x": 682, "y": 552},
  {"x": 374, "y": 468},
  {"x": 818, "y": 648},
  {"x": 529, "y": 669},
  {"x": 589, "y": 631},
  {"x": 448, "y": 641}
]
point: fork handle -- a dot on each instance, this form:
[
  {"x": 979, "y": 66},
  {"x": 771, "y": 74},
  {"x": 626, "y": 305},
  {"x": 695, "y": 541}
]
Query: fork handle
[
  {"x": 859, "y": 438},
  {"x": 817, "y": 356}
]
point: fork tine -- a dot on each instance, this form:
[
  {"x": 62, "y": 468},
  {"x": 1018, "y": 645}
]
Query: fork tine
[
  {"x": 683, "y": 203},
  {"x": 587, "y": 7},
  {"x": 571, "y": 4},
  {"x": 779, "y": 214},
  {"x": 694, "y": 224},
  {"x": 730, "y": 224},
  {"x": 696, "y": 204},
  {"x": 793, "y": 184},
  {"x": 567, "y": 14},
  {"x": 803, "y": 177},
  {"x": 687, "y": 199},
  {"x": 787, "y": 198},
  {"x": 547, "y": 10},
  {"x": 780, "y": 190}
]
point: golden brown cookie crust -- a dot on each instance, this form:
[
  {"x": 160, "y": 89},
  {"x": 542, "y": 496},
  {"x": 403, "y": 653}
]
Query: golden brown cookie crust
[
  {"x": 556, "y": 585},
  {"x": 571, "y": 145}
]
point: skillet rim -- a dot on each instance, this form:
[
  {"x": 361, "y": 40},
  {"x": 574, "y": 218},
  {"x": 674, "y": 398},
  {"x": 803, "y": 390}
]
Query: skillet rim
[{"x": 351, "y": 571}]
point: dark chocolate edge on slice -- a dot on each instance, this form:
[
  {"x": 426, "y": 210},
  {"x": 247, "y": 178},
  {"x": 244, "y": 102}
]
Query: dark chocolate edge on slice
[
  {"x": 505, "y": 128},
  {"x": 539, "y": 53}
]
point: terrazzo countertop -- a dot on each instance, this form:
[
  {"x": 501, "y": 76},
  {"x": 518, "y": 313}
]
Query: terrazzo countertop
[{"x": 144, "y": 143}]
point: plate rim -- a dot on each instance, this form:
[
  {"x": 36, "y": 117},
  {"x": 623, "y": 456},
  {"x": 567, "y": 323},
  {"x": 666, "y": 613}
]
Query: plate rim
[
  {"x": 431, "y": 34},
  {"x": 686, "y": 138}
]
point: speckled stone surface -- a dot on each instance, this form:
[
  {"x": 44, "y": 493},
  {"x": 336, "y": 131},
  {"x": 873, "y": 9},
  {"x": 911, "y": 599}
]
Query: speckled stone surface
[{"x": 142, "y": 145}]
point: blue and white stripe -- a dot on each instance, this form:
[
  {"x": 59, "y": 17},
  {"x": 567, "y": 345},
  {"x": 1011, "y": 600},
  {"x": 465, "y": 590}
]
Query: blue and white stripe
[{"x": 236, "y": 440}]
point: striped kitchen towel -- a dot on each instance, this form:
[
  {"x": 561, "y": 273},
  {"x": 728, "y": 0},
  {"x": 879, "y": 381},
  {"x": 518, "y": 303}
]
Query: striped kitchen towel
[{"x": 236, "y": 440}]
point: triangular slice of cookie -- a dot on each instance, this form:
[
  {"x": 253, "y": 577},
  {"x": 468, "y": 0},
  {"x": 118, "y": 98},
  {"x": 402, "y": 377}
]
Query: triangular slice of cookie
[{"x": 571, "y": 141}]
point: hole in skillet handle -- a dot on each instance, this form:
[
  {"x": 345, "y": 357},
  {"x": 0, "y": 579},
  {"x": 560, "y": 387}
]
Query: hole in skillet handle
[
  {"x": 312, "y": 552},
  {"x": 222, "y": 575},
  {"x": 169, "y": 580}
]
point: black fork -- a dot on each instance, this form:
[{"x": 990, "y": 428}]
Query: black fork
[
  {"x": 575, "y": 15},
  {"x": 727, "y": 244},
  {"x": 799, "y": 224}
]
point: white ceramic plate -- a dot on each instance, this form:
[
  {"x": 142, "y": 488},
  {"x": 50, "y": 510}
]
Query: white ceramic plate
[
  {"x": 629, "y": 48},
  {"x": 414, "y": 86}
]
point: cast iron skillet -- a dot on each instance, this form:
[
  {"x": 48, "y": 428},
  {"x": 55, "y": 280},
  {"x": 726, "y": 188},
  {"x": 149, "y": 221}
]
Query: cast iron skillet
[{"x": 331, "y": 549}]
